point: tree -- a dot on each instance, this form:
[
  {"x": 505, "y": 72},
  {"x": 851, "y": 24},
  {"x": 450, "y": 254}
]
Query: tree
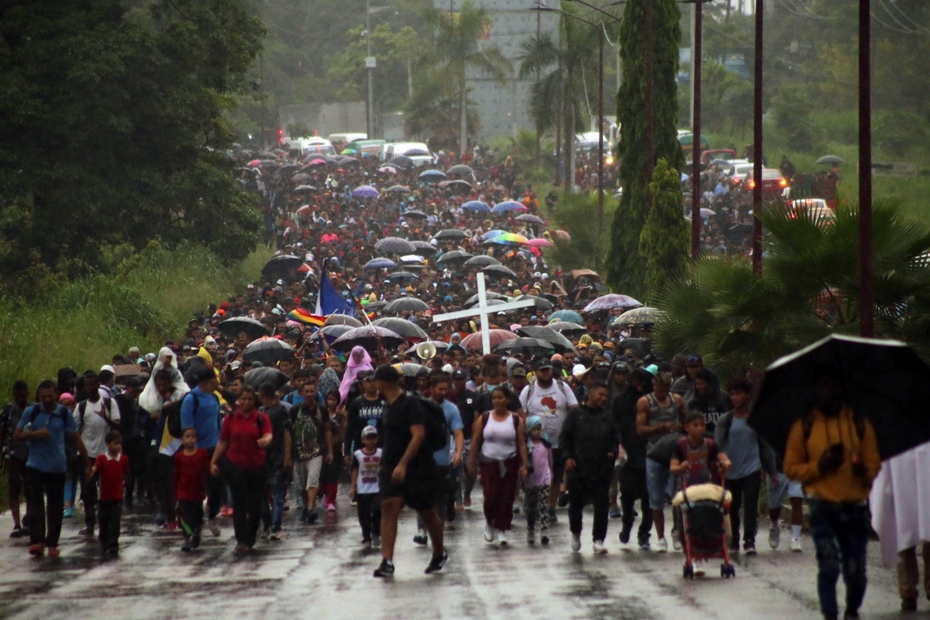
[
  {"x": 459, "y": 50},
  {"x": 587, "y": 246},
  {"x": 114, "y": 132},
  {"x": 647, "y": 109},
  {"x": 665, "y": 238}
]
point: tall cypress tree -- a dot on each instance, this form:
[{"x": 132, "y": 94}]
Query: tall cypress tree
[
  {"x": 664, "y": 241},
  {"x": 647, "y": 109}
]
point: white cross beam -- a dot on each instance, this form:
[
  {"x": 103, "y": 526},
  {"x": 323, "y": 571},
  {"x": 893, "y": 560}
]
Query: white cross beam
[{"x": 483, "y": 310}]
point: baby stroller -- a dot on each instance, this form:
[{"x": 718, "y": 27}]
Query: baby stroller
[{"x": 705, "y": 517}]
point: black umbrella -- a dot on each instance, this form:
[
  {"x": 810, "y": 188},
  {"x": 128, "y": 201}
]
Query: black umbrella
[
  {"x": 342, "y": 319},
  {"x": 883, "y": 380},
  {"x": 499, "y": 271},
  {"x": 540, "y": 303},
  {"x": 401, "y": 327},
  {"x": 345, "y": 161},
  {"x": 413, "y": 213},
  {"x": 408, "y": 304},
  {"x": 568, "y": 327},
  {"x": 529, "y": 217},
  {"x": 282, "y": 265},
  {"x": 367, "y": 337},
  {"x": 451, "y": 233},
  {"x": 432, "y": 176},
  {"x": 304, "y": 189},
  {"x": 482, "y": 260},
  {"x": 397, "y": 189},
  {"x": 375, "y": 305},
  {"x": 268, "y": 351},
  {"x": 489, "y": 294},
  {"x": 401, "y": 160},
  {"x": 424, "y": 246},
  {"x": 287, "y": 169},
  {"x": 238, "y": 324},
  {"x": 557, "y": 340},
  {"x": 457, "y": 184},
  {"x": 529, "y": 346},
  {"x": 394, "y": 245},
  {"x": 334, "y": 331},
  {"x": 453, "y": 256},
  {"x": 460, "y": 169},
  {"x": 402, "y": 276},
  {"x": 257, "y": 376}
]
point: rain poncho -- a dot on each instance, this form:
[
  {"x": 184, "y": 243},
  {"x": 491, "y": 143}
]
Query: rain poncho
[
  {"x": 150, "y": 399},
  {"x": 329, "y": 381},
  {"x": 359, "y": 362}
]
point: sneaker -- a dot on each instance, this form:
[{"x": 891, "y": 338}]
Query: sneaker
[
  {"x": 488, "y": 533},
  {"x": 749, "y": 548},
  {"x": 304, "y": 515},
  {"x": 662, "y": 546},
  {"x": 241, "y": 550},
  {"x": 386, "y": 569},
  {"x": 366, "y": 543},
  {"x": 375, "y": 541},
  {"x": 796, "y": 545},
  {"x": 420, "y": 538},
  {"x": 69, "y": 512},
  {"x": 187, "y": 547},
  {"x": 86, "y": 531},
  {"x": 553, "y": 518},
  {"x": 644, "y": 545},
  {"x": 676, "y": 541},
  {"x": 615, "y": 513},
  {"x": 544, "y": 540},
  {"x": 437, "y": 563},
  {"x": 312, "y": 516},
  {"x": 576, "y": 542},
  {"x": 624, "y": 536},
  {"x": 160, "y": 519},
  {"x": 530, "y": 537},
  {"x": 38, "y": 550},
  {"x": 501, "y": 538},
  {"x": 331, "y": 507},
  {"x": 226, "y": 511},
  {"x": 774, "y": 536},
  {"x": 17, "y": 532},
  {"x": 195, "y": 541},
  {"x": 213, "y": 527},
  {"x": 54, "y": 552},
  {"x": 274, "y": 536},
  {"x": 599, "y": 548},
  {"x": 265, "y": 533}
]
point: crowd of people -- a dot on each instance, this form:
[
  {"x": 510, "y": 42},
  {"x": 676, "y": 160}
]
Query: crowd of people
[{"x": 202, "y": 429}]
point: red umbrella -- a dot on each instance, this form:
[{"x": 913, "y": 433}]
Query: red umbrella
[{"x": 472, "y": 342}]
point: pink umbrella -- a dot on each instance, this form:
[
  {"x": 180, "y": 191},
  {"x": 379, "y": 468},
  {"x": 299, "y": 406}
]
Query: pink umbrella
[
  {"x": 255, "y": 163},
  {"x": 390, "y": 169},
  {"x": 539, "y": 243},
  {"x": 304, "y": 210},
  {"x": 472, "y": 342}
]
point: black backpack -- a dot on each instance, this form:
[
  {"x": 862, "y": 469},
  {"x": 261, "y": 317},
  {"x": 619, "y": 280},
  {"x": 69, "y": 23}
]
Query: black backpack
[
  {"x": 437, "y": 431},
  {"x": 172, "y": 415}
]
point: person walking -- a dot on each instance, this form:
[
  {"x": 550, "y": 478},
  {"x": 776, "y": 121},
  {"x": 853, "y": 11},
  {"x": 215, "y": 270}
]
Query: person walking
[
  {"x": 537, "y": 482},
  {"x": 112, "y": 469},
  {"x": 589, "y": 443},
  {"x": 832, "y": 450},
  {"x": 200, "y": 409},
  {"x": 15, "y": 454},
  {"x": 499, "y": 439},
  {"x": 96, "y": 416},
  {"x": 633, "y": 486},
  {"x": 364, "y": 488}
]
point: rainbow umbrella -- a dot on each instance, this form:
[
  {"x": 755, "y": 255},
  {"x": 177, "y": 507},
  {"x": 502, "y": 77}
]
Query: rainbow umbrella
[{"x": 509, "y": 238}]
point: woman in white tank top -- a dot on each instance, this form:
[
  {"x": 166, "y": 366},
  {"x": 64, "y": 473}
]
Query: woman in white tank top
[{"x": 499, "y": 438}]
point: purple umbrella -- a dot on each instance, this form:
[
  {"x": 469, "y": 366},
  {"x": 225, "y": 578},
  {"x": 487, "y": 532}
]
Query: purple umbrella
[
  {"x": 508, "y": 205},
  {"x": 365, "y": 191}
]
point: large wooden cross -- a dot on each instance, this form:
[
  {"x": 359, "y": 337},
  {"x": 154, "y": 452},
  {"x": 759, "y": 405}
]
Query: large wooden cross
[{"x": 483, "y": 310}]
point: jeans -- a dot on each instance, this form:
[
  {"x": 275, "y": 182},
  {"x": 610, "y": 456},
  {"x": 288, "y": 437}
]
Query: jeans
[
  {"x": 841, "y": 532},
  {"x": 215, "y": 486},
  {"x": 369, "y": 514},
  {"x": 633, "y": 489},
  {"x": 273, "y": 513},
  {"x": 583, "y": 491},
  {"x": 746, "y": 494},
  {"x": 657, "y": 479},
  {"x": 40, "y": 484},
  {"x": 110, "y": 513},
  {"x": 248, "y": 495}
]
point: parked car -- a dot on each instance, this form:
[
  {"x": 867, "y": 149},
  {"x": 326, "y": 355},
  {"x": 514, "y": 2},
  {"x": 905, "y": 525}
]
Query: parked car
[
  {"x": 773, "y": 183},
  {"x": 817, "y": 207},
  {"x": 307, "y": 146}
]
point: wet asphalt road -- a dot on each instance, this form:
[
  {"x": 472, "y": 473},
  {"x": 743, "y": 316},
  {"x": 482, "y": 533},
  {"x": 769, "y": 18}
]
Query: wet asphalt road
[{"x": 322, "y": 572}]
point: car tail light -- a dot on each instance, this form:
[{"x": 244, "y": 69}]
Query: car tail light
[
  {"x": 752, "y": 185},
  {"x": 783, "y": 182}
]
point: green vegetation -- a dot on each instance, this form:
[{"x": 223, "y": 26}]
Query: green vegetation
[
  {"x": 589, "y": 245},
  {"x": 665, "y": 237}
]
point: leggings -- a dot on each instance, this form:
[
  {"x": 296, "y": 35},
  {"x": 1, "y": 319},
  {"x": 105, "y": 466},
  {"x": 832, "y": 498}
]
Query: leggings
[
  {"x": 369, "y": 514},
  {"x": 536, "y": 507}
]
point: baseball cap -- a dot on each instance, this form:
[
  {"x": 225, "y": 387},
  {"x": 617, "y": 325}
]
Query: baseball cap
[
  {"x": 621, "y": 367},
  {"x": 369, "y": 431},
  {"x": 107, "y": 367},
  {"x": 459, "y": 374},
  {"x": 579, "y": 370},
  {"x": 543, "y": 363},
  {"x": 693, "y": 360},
  {"x": 519, "y": 371},
  {"x": 366, "y": 376}
]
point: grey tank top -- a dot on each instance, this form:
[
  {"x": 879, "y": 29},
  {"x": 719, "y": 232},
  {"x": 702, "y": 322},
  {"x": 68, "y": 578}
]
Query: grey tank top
[{"x": 659, "y": 415}]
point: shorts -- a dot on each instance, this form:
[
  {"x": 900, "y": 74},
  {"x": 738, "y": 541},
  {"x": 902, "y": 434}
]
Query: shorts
[
  {"x": 307, "y": 473},
  {"x": 657, "y": 476},
  {"x": 420, "y": 490},
  {"x": 785, "y": 487},
  {"x": 558, "y": 467}
]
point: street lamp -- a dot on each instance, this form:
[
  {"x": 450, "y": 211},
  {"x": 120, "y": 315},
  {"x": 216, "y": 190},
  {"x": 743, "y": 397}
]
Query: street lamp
[{"x": 370, "y": 64}]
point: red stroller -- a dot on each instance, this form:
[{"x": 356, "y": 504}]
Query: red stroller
[{"x": 704, "y": 510}]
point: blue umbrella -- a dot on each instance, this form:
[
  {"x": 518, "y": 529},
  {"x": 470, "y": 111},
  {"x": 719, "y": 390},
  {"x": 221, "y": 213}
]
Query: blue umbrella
[
  {"x": 432, "y": 176},
  {"x": 477, "y": 206},
  {"x": 508, "y": 205},
  {"x": 365, "y": 191},
  {"x": 380, "y": 263},
  {"x": 569, "y": 316}
]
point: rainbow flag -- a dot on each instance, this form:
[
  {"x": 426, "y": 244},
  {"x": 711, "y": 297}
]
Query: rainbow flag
[{"x": 303, "y": 316}]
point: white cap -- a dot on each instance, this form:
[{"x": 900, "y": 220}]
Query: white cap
[
  {"x": 578, "y": 370},
  {"x": 448, "y": 368},
  {"x": 107, "y": 367}
]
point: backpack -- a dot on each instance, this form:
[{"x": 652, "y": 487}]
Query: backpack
[
  {"x": 559, "y": 382},
  {"x": 437, "y": 431},
  {"x": 172, "y": 415},
  {"x": 107, "y": 403}
]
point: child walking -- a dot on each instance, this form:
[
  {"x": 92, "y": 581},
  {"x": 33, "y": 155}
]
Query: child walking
[
  {"x": 112, "y": 467},
  {"x": 537, "y": 482},
  {"x": 191, "y": 468},
  {"x": 365, "y": 490},
  {"x": 329, "y": 474}
]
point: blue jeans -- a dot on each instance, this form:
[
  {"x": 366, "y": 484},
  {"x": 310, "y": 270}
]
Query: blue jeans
[
  {"x": 840, "y": 532},
  {"x": 657, "y": 481},
  {"x": 273, "y": 515}
]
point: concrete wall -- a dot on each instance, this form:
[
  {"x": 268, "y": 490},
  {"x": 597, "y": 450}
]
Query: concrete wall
[{"x": 325, "y": 118}]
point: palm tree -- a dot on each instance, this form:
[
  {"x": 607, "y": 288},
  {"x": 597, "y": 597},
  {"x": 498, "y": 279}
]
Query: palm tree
[
  {"x": 459, "y": 51},
  {"x": 808, "y": 289}
]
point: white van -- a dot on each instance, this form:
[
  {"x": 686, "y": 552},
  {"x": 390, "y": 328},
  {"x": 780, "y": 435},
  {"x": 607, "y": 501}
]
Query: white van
[
  {"x": 417, "y": 151},
  {"x": 305, "y": 146}
]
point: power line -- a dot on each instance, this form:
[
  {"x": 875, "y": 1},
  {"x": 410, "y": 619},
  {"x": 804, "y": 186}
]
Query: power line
[
  {"x": 898, "y": 21},
  {"x": 906, "y": 16}
]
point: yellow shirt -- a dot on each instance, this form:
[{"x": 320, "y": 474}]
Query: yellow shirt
[{"x": 840, "y": 485}]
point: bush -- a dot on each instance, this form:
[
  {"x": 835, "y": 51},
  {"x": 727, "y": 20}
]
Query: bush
[{"x": 897, "y": 132}]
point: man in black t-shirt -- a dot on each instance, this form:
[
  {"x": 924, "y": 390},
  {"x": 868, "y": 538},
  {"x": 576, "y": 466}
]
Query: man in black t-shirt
[
  {"x": 366, "y": 410},
  {"x": 408, "y": 474},
  {"x": 466, "y": 401}
]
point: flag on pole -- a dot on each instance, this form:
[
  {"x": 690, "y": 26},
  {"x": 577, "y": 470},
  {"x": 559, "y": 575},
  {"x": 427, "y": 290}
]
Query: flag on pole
[
  {"x": 329, "y": 301},
  {"x": 305, "y": 317}
]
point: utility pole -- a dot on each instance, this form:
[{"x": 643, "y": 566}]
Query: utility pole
[
  {"x": 757, "y": 145},
  {"x": 866, "y": 291},
  {"x": 370, "y": 65},
  {"x": 697, "y": 11}
]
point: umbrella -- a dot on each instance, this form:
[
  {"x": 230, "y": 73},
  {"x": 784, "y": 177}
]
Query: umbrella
[
  {"x": 257, "y": 376},
  {"x": 508, "y": 238},
  {"x": 453, "y": 256},
  {"x": 413, "y": 213},
  {"x": 883, "y": 380},
  {"x": 830, "y": 159},
  {"x": 567, "y": 327},
  {"x": 286, "y": 169},
  {"x": 345, "y": 161},
  {"x": 424, "y": 246},
  {"x": 398, "y": 189},
  {"x": 374, "y": 305},
  {"x": 401, "y": 160},
  {"x": 638, "y": 316},
  {"x": 476, "y": 205},
  {"x": 369, "y": 338},
  {"x": 566, "y": 315},
  {"x": 394, "y": 245},
  {"x": 409, "y": 369},
  {"x": 529, "y": 346},
  {"x": 432, "y": 176},
  {"x": 342, "y": 319},
  {"x": 460, "y": 169},
  {"x": 451, "y": 233},
  {"x": 401, "y": 327},
  {"x": 402, "y": 276},
  {"x": 493, "y": 233},
  {"x": 348, "y": 151},
  {"x": 540, "y": 303},
  {"x": 267, "y": 350},
  {"x": 499, "y": 271},
  {"x": 439, "y": 344},
  {"x": 482, "y": 260},
  {"x": 472, "y": 342},
  {"x": 380, "y": 263},
  {"x": 411, "y": 258},
  {"x": 388, "y": 169},
  {"x": 254, "y": 163},
  {"x": 529, "y": 217},
  {"x": 456, "y": 184},
  {"x": 237, "y": 325},
  {"x": 304, "y": 189},
  {"x": 406, "y": 304},
  {"x": 314, "y": 160},
  {"x": 334, "y": 331},
  {"x": 557, "y": 340},
  {"x": 488, "y": 294},
  {"x": 611, "y": 301},
  {"x": 507, "y": 206},
  {"x": 539, "y": 243},
  {"x": 365, "y": 191},
  {"x": 282, "y": 265},
  {"x": 704, "y": 213},
  {"x": 300, "y": 177}
]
